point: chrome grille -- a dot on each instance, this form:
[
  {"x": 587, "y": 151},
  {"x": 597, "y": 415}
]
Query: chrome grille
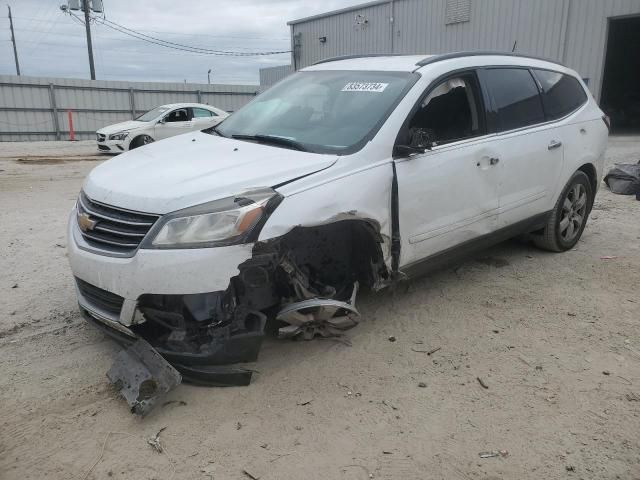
[
  {"x": 101, "y": 137},
  {"x": 111, "y": 228}
]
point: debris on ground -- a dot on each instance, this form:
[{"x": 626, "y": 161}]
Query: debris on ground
[
  {"x": 428, "y": 352},
  {"x": 570, "y": 468},
  {"x": 606, "y": 372},
  {"x": 392, "y": 338},
  {"x": 155, "y": 441},
  {"x": 482, "y": 383},
  {"x": 624, "y": 179},
  {"x": 608, "y": 257},
  {"x": 250, "y": 475},
  {"x": 142, "y": 376},
  {"x": 494, "y": 453},
  {"x": 306, "y": 401},
  {"x": 422, "y": 385},
  {"x": 632, "y": 397}
]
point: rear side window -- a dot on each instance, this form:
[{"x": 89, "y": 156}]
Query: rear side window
[
  {"x": 515, "y": 96},
  {"x": 202, "y": 113},
  {"x": 561, "y": 94}
]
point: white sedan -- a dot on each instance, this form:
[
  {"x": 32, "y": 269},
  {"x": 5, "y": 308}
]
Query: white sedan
[{"x": 161, "y": 122}]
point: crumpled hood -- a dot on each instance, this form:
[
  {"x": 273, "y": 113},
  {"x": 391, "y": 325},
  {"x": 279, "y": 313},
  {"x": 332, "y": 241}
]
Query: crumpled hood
[
  {"x": 122, "y": 127},
  {"x": 195, "y": 168}
]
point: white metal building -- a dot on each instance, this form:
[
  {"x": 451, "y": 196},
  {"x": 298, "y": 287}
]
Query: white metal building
[{"x": 598, "y": 38}]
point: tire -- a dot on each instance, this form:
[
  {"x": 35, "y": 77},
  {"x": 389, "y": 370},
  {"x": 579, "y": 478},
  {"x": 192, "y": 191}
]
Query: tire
[
  {"x": 140, "y": 141},
  {"x": 566, "y": 224}
]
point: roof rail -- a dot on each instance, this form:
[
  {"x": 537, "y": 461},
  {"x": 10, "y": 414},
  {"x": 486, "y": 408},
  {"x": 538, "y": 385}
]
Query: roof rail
[
  {"x": 364, "y": 55},
  {"x": 477, "y": 53}
]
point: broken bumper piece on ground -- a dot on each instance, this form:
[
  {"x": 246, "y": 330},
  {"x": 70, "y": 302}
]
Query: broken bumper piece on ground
[
  {"x": 142, "y": 376},
  {"x": 144, "y": 373}
]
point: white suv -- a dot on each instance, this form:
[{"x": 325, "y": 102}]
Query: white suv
[{"x": 354, "y": 171}]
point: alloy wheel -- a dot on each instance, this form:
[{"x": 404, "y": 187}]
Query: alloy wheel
[{"x": 574, "y": 210}]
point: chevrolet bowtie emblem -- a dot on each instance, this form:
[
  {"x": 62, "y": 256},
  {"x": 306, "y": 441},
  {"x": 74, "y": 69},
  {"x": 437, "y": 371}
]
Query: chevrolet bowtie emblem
[{"x": 85, "y": 223}]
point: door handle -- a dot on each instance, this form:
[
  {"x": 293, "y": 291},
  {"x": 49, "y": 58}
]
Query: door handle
[{"x": 554, "y": 144}]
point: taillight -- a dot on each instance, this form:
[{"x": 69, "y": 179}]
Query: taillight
[{"x": 607, "y": 121}]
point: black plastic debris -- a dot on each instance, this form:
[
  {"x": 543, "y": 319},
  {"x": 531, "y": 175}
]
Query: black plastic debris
[
  {"x": 215, "y": 375},
  {"x": 624, "y": 179},
  {"x": 142, "y": 376}
]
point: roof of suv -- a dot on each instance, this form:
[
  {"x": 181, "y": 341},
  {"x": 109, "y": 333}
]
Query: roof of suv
[{"x": 410, "y": 63}]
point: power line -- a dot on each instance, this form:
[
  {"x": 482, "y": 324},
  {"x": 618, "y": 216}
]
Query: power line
[
  {"x": 179, "y": 46},
  {"x": 182, "y": 34},
  {"x": 190, "y": 47}
]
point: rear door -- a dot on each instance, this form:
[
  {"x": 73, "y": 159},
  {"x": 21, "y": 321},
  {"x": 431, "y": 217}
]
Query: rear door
[
  {"x": 447, "y": 195},
  {"x": 204, "y": 118},
  {"x": 529, "y": 149}
]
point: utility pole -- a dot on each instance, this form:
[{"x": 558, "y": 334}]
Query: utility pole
[
  {"x": 87, "y": 26},
  {"x": 13, "y": 40}
]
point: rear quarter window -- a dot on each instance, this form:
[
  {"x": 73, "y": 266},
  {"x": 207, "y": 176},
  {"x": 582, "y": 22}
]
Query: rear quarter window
[
  {"x": 561, "y": 94},
  {"x": 515, "y": 96}
]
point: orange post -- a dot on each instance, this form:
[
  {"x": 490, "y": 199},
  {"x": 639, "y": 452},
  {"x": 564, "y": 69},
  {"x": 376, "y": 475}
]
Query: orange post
[{"x": 72, "y": 134}]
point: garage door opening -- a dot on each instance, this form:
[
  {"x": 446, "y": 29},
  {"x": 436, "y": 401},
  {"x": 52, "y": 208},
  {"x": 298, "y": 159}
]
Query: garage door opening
[{"x": 621, "y": 83}]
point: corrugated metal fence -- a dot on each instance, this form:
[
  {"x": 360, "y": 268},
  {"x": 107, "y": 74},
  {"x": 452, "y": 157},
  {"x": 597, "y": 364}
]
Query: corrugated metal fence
[
  {"x": 272, "y": 75},
  {"x": 36, "y": 108}
]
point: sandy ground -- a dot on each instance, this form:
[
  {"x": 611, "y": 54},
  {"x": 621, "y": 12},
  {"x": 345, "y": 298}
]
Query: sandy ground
[{"x": 553, "y": 336}]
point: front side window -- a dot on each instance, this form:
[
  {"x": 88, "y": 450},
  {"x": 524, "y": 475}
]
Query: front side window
[
  {"x": 515, "y": 97},
  {"x": 561, "y": 94},
  {"x": 450, "y": 112},
  {"x": 321, "y": 111},
  {"x": 152, "y": 114},
  {"x": 180, "y": 115},
  {"x": 202, "y": 113}
]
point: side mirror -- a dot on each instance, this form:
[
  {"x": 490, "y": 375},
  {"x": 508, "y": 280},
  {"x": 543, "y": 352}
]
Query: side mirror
[
  {"x": 162, "y": 120},
  {"x": 408, "y": 150}
]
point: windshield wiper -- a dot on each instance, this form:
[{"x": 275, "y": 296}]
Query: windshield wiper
[{"x": 273, "y": 140}]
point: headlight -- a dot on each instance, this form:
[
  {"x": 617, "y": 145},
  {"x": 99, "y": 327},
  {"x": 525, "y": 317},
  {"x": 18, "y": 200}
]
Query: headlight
[
  {"x": 223, "y": 222},
  {"x": 119, "y": 136}
]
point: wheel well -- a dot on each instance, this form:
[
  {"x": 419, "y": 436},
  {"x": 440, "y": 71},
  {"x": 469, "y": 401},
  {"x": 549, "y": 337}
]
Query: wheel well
[
  {"x": 137, "y": 138},
  {"x": 590, "y": 171},
  {"x": 339, "y": 253}
]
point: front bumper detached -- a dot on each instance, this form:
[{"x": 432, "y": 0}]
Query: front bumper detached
[
  {"x": 144, "y": 374},
  {"x": 196, "y": 369}
]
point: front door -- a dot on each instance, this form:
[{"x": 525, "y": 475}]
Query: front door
[
  {"x": 174, "y": 123},
  {"x": 447, "y": 195}
]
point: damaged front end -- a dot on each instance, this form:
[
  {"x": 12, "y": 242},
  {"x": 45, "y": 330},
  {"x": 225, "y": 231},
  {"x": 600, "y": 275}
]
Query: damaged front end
[{"x": 303, "y": 283}]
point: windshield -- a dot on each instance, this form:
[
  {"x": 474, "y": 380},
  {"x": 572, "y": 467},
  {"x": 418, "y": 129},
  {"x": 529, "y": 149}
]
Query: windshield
[
  {"x": 323, "y": 111},
  {"x": 152, "y": 114}
]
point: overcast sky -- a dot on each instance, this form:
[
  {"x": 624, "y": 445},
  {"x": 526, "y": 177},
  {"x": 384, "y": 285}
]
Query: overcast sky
[{"x": 53, "y": 44}]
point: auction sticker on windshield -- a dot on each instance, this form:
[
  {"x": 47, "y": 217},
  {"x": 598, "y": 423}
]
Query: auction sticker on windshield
[{"x": 374, "y": 87}]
